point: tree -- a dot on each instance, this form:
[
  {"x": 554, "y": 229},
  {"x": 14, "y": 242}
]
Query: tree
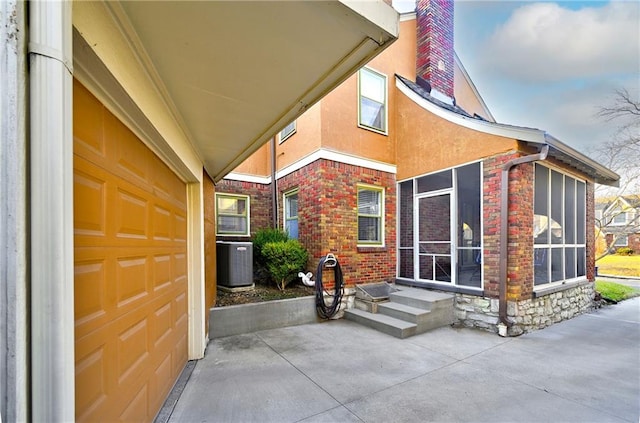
[{"x": 621, "y": 154}]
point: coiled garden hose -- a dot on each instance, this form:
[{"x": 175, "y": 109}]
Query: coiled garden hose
[{"x": 328, "y": 311}]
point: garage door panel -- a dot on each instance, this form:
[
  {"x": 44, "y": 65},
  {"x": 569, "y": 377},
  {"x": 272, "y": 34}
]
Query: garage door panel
[
  {"x": 89, "y": 209},
  {"x": 180, "y": 228},
  {"x": 91, "y": 373},
  {"x": 90, "y": 290},
  {"x": 88, "y": 124},
  {"x": 130, "y": 270},
  {"x": 162, "y": 382},
  {"x": 163, "y": 324},
  {"x": 132, "y": 275},
  {"x": 132, "y": 157},
  {"x": 162, "y": 221},
  {"x": 132, "y": 215},
  {"x": 137, "y": 410},
  {"x": 162, "y": 274},
  {"x": 179, "y": 269},
  {"x": 133, "y": 348}
]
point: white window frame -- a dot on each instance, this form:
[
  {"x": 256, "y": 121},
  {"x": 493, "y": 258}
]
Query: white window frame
[
  {"x": 549, "y": 247},
  {"x": 381, "y": 216},
  {"x": 286, "y": 218},
  {"x": 246, "y": 215},
  {"x": 618, "y": 214},
  {"x": 619, "y": 239},
  {"x": 385, "y": 130},
  {"x": 287, "y": 132}
]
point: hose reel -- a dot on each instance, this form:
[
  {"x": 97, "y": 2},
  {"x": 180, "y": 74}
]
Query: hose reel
[{"x": 328, "y": 311}]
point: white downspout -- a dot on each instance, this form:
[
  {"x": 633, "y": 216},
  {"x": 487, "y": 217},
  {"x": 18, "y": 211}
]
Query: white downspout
[{"x": 51, "y": 211}]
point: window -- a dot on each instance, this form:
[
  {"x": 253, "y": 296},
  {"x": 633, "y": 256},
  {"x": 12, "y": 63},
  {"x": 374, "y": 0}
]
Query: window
[
  {"x": 232, "y": 214},
  {"x": 291, "y": 214},
  {"x": 559, "y": 227},
  {"x": 621, "y": 241},
  {"x": 620, "y": 218},
  {"x": 372, "y": 100},
  {"x": 288, "y": 130},
  {"x": 370, "y": 222}
]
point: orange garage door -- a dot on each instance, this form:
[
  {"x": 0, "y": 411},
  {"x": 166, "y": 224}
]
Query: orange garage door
[{"x": 130, "y": 269}]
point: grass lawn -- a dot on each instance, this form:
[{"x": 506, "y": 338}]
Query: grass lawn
[
  {"x": 615, "y": 291},
  {"x": 619, "y": 265}
]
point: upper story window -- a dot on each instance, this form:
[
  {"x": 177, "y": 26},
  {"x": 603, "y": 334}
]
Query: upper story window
[
  {"x": 232, "y": 214},
  {"x": 370, "y": 215},
  {"x": 372, "y": 100},
  {"x": 287, "y": 131},
  {"x": 620, "y": 218},
  {"x": 291, "y": 214}
]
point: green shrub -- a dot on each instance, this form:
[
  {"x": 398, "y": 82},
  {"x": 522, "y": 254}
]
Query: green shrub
[
  {"x": 262, "y": 237},
  {"x": 624, "y": 251},
  {"x": 284, "y": 260}
]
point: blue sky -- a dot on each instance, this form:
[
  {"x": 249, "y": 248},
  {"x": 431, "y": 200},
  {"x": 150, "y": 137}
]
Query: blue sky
[{"x": 550, "y": 65}]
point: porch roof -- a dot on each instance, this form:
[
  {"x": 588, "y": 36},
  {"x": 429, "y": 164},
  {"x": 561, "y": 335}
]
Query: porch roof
[
  {"x": 531, "y": 136},
  {"x": 224, "y": 76}
]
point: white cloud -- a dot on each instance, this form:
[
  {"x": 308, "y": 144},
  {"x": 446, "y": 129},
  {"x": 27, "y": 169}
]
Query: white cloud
[{"x": 546, "y": 42}]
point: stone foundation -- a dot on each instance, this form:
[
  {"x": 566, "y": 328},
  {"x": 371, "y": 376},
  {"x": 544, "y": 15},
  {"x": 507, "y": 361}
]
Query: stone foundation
[
  {"x": 527, "y": 315},
  {"x": 348, "y": 301}
]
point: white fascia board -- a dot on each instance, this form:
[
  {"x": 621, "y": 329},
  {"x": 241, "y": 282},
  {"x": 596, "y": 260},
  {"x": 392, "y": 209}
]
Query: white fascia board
[
  {"x": 385, "y": 17},
  {"x": 336, "y": 157},
  {"x": 244, "y": 177},
  {"x": 408, "y": 16},
  {"x": 507, "y": 131},
  {"x": 564, "y": 148}
]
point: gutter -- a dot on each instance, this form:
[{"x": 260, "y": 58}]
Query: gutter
[{"x": 504, "y": 234}]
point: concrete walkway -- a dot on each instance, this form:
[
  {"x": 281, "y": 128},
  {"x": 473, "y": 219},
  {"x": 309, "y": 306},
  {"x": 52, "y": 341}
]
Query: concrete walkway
[{"x": 583, "y": 370}]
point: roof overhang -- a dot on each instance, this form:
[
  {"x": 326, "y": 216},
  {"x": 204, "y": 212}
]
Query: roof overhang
[
  {"x": 226, "y": 76},
  {"x": 531, "y": 136}
]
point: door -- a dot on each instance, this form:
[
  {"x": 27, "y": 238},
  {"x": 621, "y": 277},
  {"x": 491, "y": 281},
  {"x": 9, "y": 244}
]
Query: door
[
  {"x": 434, "y": 243},
  {"x": 130, "y": 262}
]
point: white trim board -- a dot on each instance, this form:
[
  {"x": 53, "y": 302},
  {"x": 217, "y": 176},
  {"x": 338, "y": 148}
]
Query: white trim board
[{"x": 310, "y": 158}]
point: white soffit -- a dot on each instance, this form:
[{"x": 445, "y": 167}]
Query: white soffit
[{"x": 232, "y": 74}]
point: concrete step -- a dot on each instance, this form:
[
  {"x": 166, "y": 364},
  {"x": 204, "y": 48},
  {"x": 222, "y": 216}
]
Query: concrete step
[
  {"x": 383, "y": 323},
  {"x": 421, "y": 298},
  {"x": 404, "y": 312}
]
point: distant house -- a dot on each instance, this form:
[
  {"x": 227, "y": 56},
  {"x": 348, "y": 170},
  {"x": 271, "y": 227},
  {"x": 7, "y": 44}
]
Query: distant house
[
  {"x": 403, "y": 173},
  {"x": 618, "y": 221}
]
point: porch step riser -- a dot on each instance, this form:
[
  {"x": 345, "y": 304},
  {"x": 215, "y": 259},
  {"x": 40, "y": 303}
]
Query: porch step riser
[
  {"x": 403, "y": 312},
  {"x": 385, "y": 324}
]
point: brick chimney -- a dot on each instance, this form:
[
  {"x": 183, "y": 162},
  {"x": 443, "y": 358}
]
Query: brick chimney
[{"x": 434, "y": 62}]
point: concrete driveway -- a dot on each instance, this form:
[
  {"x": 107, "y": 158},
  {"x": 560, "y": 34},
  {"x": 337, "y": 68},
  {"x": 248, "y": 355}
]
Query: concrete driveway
[{"x": 583, "y": 370}]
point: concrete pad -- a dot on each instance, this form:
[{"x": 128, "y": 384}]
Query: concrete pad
[
  {"x": 336, "y": 415},
  {"x": 458, "y": 343},
  {"x": 241, "y": 379},
  {"x": 466, "y": 393},
  {"x": 350, "y": 361},
  {"x": 579, "y": 360},
  {"x": 584, "y": 369}
]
